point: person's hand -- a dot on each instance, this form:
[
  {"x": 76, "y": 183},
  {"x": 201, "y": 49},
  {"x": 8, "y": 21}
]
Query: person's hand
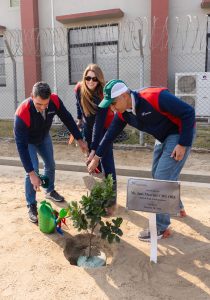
[
  {"x": 83, "y": 146},
  {"x": 90, "y": 157},
  {"x": 93, "y": 164},
  {"x": 178, "y": 152},
  {"x": 35, "y": 181},
  {"x": 79, "y": 123}
]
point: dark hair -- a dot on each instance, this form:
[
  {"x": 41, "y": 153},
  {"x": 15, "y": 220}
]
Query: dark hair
[{"x": 41, "y": 89}]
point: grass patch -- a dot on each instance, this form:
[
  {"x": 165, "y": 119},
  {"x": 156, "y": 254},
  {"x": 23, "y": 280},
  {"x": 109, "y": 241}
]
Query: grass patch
[
  {"x": 132, "y": 137},
  {"x": 6, "y": 129},
  {"x": 129, "y": 137}
]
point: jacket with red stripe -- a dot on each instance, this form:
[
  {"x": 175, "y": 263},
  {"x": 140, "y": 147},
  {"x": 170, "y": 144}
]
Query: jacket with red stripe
[
  {"x": 31, "y": 128},
  {"x": 159, "y": 113},
  {"x": 95, "y": 124}
]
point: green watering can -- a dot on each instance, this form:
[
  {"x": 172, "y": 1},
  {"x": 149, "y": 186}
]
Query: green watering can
[{"x": 46, "y": 217}]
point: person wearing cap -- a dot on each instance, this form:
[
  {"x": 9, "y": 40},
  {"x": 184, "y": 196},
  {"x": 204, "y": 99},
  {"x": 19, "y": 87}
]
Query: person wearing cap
[
  {"x": 95, "y": 120},
  {"x": 33, "y": 120},
  {"x": 167, "y": 118}
]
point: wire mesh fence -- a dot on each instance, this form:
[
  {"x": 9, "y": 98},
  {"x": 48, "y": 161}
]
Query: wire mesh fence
[{"x": 125, "y": 50}]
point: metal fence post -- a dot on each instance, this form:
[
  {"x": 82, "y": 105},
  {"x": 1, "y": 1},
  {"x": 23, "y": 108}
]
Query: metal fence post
[
  {"x": 141, "y": 133},
  {"x": 14, "y": 73}
]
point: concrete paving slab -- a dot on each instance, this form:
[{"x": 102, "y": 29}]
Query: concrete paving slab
[{"x": 131, "y": 171}]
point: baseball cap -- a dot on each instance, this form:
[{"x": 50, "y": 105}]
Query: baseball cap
[{"x": 112, "y": 89}]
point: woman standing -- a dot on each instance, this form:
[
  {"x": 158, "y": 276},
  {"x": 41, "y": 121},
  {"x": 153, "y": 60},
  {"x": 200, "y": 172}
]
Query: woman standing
[{"x": 95, "y": 120}]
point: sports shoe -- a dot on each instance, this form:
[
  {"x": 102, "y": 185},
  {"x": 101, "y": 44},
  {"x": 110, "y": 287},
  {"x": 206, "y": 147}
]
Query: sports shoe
[
  {"x": 145, "y": 235},
  {"x": 54, "y": 196},
  {"x": 32, "y": 213}
]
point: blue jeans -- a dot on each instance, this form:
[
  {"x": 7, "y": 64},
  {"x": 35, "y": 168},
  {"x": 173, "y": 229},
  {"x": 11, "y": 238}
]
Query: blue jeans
[
  {"x": 165, "y": 167},
  {"x": 108, "y": 166},
  {"x": 107, "y": 163},
  {"x": 45, "y": 150}
]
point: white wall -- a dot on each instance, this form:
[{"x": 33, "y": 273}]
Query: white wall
[
  {"x": 128, "y": 67},
  {"x": 187, "y": 37},
  {"x": 132, "y": 8},
  {"x": 7, "y": 98},
  {"x": 186, "y": 7},
  {"x": 9, "y": 17}
]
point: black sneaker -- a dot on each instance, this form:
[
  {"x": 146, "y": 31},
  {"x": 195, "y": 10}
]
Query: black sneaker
[
  {"x": 32, "y": 213},
  {"x": 54, "y": 196},
  {"x": 145, "y": 235}
]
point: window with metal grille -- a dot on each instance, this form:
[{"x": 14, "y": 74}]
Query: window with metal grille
[
  {"x": 94, "y": 44},
  {"x": 14, "y": 3},
  {"x": 2, "y": 63}
]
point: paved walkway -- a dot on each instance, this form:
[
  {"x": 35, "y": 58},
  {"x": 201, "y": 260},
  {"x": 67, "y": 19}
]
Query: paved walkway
[{"x": 130, "y": 171}]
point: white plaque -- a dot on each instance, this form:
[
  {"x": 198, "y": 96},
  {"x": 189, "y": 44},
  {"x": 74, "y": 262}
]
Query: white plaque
[{"x": 154, "y": 196}]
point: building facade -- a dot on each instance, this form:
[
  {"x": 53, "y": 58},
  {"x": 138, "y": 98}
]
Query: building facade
[{"x": 142, "y": 42}]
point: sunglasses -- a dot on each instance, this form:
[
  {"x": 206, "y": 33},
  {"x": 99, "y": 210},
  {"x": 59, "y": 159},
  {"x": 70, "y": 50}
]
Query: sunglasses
[{"x": 89, "y": 78}]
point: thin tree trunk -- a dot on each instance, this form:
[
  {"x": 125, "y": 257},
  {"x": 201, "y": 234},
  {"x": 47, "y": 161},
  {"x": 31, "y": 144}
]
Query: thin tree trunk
[{"x": 90, "y": 240}]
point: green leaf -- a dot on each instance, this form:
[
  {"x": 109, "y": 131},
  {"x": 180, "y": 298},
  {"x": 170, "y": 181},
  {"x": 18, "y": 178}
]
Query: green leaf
[
  {"x": 117, "y": 221},
  {"x": 117, "y": 239},
  {"x": 101, "y": 223},
  {"x": 87, "y": 213},
  {"x": 119, "y": 232},
  {"x": 103, "y": 235},
  {"x": 111, "y": 238}
]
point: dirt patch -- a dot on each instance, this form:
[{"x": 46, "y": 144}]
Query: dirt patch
[
  {"x": 78, "y": 245},
  {"x": 34, "y": 265}
]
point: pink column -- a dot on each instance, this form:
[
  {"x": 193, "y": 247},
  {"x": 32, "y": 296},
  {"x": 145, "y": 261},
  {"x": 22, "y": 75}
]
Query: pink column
[
  {"x": 205, "y": 4},
  {"x": 31, "y": 57},
  {"x": 159, "y": 46}
]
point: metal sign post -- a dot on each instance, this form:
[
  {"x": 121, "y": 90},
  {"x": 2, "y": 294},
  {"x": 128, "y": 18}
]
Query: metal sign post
[{"x": 153, "y": 237}]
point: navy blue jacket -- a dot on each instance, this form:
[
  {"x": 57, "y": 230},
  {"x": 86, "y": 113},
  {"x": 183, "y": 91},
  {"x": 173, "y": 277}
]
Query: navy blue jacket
[
  {"x": 95, "y": 124},
  {"x": 31, "y": 128},
  {"x": 158, "y": 113}
]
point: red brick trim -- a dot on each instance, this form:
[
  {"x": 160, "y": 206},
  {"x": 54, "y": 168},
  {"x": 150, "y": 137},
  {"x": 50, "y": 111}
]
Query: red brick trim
[
  {"x": 31, "y": 61},
  {"x": 93, "y": 15},
  {"x": 159, "y": 54}
]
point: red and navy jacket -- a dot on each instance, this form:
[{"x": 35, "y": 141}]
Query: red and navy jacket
[
  {"x": 31, "y": 128},
  {"x": 95, "y": 124},
  {"x": 159, "y": 113}
]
